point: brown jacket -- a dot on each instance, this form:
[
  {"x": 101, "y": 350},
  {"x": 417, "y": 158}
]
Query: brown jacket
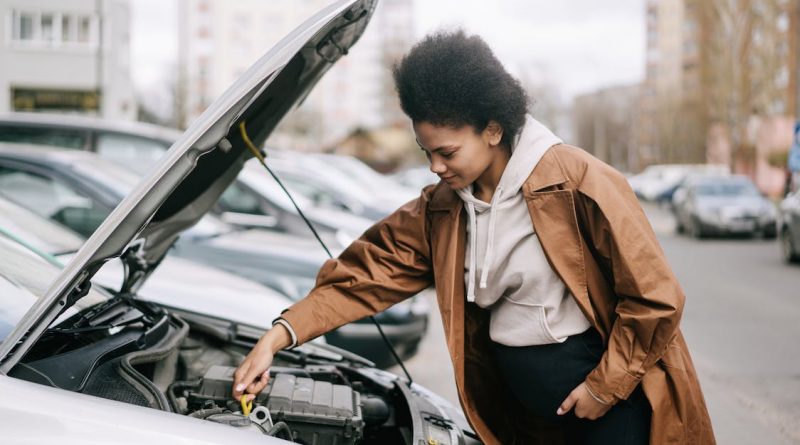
[{"x": 595, "y": 236}]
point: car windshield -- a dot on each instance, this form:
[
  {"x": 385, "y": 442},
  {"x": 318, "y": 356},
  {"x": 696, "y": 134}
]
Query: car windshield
[
  {"x": 726, "y": 189},
  {"x": 24, "y": 278},
  {"x": 120, "y": 180},
  {"x": 265, "y": 185},
  {"x": 41, "y": 233}
]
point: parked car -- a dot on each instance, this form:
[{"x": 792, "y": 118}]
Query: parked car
[
  {"x": 416, "y": 177},
  {"x": 79, "y": 190},
  {"x": 725, "y": 205},
  {"x": 177, "y": 282},
  {"x": 256, "y": 200},
  {"x": 136, "y": 145},
  {"x": 789, "y": 227},
  {"x": 382, "y": 187},
  {"x": 658, "y": 183},
  {"x": 322, "y": 183},
  {"x": 71, "y": 341}
]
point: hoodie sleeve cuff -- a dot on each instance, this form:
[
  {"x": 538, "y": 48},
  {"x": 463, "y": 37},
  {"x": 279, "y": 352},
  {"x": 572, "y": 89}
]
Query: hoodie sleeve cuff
[{"x": 289, "y": 328}]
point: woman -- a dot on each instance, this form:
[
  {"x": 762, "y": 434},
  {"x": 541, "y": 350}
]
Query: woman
[{"x": 560, "y": 311}]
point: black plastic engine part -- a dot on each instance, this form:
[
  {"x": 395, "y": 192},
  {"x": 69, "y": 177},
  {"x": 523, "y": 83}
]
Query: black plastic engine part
[{"x": 316, "y": 411}]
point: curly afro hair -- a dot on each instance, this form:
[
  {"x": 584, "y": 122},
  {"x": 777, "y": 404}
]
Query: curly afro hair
[{"x": 454, "y": 79}]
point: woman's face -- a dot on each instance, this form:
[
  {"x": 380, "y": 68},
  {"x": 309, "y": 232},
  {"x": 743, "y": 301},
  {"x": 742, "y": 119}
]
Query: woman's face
[{"x": 459, "y": 155}]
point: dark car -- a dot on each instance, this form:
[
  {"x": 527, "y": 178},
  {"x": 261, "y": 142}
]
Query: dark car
[
  {"x": 79, "y": 190},
  {"x": 789, "y": 226},
  {"x": 724, "y": 205}
]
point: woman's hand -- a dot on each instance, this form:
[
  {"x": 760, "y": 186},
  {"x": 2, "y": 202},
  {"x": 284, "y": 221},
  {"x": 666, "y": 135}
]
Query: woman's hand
[
  {"x": 253, "y": 373},
  {"x": 586, "y": 406}
]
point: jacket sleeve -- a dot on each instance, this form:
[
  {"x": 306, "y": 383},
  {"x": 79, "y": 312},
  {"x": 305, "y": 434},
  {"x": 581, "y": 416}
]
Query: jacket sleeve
[
  {"x": 387, "y": 264},
  {"x": 650, "y": 300}
]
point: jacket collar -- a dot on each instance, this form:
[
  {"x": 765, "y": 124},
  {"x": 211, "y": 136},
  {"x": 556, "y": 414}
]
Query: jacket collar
[{"x": 547, "y": 173}]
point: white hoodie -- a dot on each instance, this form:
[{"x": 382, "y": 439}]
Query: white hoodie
[{"x": 529, "y": 303}]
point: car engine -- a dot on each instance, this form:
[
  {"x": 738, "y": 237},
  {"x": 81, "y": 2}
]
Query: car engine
[
  {"x": 142, "y": 354},
  {"x": 318, "y": 411}
]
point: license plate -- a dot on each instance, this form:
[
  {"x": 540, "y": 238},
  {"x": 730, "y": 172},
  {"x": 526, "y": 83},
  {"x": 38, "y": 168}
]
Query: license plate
[{"x": 742, "y": 226}]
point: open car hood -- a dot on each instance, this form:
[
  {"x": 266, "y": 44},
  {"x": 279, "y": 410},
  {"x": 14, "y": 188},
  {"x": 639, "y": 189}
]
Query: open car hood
[{"x": 195, "y": 171}]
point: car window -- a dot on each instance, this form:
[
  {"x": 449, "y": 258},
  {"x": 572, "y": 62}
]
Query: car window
[
  {"x": 51, "y": 199},
  {"x": 25, "y": 277},
  {"x": 318, "y": 195},
  {"x": 40, "y": 232},
  {"x": 238, "y": 199},
  {"x": 726, "y": 189},
  {"x": 136, "y": 153},
  {"x": 55, "y": 137}
]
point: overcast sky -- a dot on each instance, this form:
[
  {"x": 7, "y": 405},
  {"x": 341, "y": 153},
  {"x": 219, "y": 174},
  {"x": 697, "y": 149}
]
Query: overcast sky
[{"x": 576, "y": 45}]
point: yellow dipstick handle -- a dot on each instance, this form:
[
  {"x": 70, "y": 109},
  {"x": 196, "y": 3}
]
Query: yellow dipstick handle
[
  {"x": 246, "y": 406},
  {"x": 249, "y": 143}
]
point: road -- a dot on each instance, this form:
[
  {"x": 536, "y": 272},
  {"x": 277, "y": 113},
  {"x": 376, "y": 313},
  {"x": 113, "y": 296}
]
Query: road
[{"x": 742, "y": 323}]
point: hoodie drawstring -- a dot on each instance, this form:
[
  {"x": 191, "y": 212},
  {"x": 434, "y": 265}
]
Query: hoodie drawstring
[
  {"x": 487, "y": 259},
  {"x": 473, "y": 244},
  {"x": 473, "y": 240}
]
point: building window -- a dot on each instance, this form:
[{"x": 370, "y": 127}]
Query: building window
[
  {"x": 24, "y": 27},
  {"x": 84, "y": 29},
  {"x": 48, "y": 23},
  {"x": 53, "y": 29}
]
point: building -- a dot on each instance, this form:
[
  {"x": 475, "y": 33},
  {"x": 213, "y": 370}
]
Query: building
[
  {"x": 70, "y": 56},
  {"x": 716, "y": 71},
  {"x": 604, "y": 125},
  {"x": 667, "y": 122},
  {"x": 220, "y": 39}
]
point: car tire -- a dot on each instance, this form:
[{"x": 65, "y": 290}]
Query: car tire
[
  {"x": 679, "y": 227},
  {"x": 790, "y": 255},
  {"x": 769, "y": 233},
  {"x": 696, "y": 230}
]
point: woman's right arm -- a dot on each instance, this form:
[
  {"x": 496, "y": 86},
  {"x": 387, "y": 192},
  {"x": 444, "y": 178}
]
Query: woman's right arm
[
  {"x": 387, "y": 264},
  {"x": 255, "y": 367}
]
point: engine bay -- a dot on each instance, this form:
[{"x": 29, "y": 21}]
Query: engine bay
[{"x": 140, "y": 353}]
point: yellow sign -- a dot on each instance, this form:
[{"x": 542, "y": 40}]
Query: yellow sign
[{"x": 66, "y": 100}]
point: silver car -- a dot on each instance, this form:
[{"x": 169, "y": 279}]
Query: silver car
[
  {"x": 724, "y": 205},
  {"x": 82, "y": 364}
]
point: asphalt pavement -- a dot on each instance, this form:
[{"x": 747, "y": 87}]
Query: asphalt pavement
[{"x": 742, "y": 324}]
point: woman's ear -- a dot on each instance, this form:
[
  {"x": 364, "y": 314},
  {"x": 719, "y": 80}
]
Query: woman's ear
[{"x": 493, "y": 133}]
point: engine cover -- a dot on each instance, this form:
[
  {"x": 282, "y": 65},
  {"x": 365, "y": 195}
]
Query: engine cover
[{"x": 318, "y": 412}]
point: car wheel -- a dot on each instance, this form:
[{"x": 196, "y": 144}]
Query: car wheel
[
  {"x": 769, "y": 233},
  {"x": 790, "y": 255},
  {"x": 679, "y": 227},
  {"x": 696, "y": 230}
]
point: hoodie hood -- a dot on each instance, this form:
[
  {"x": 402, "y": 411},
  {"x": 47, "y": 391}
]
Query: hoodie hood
[{"x": 530, "y": 145}]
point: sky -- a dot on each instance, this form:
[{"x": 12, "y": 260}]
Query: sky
[{"x": 575, "y": 46}]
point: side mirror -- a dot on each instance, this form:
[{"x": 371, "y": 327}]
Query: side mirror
[{"x": 250, "y": 220}]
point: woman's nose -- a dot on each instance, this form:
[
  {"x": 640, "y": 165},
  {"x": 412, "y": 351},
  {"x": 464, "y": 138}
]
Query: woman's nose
[{"x": 437, "y": 166}]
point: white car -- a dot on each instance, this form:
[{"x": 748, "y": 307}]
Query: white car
[{"x": 79, "y": 365}]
